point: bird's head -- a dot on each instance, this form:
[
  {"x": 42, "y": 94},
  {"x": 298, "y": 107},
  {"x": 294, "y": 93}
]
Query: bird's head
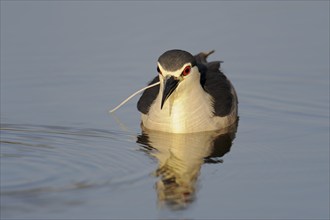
[{"x": 177, "y": 70}]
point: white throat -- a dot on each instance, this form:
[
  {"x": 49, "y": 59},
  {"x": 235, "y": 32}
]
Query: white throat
[{"x": 188, "y": 109}]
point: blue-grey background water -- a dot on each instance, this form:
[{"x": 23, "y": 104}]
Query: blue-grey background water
[{"x": 64, "y": 64}]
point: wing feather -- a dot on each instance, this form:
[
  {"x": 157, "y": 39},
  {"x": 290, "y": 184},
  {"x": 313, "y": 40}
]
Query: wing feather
[
  {"x": 148, "y": 97},
  {"x": 216, "y": 84}
]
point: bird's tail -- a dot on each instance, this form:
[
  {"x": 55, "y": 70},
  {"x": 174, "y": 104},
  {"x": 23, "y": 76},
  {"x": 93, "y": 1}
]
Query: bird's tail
[{"x": 202, "y": 58}]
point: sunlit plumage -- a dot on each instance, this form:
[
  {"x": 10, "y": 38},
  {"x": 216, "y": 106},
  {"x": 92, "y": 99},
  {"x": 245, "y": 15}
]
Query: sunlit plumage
[{"x": 193, "y": 95}]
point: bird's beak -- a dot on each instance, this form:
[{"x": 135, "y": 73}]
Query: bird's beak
[{"x": 170, "y": 84}]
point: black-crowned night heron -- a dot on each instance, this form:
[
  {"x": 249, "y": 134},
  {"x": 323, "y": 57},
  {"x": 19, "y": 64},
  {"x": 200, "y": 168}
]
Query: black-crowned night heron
[{"x": 193, "y": 95}]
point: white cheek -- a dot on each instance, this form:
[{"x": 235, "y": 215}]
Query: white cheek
[{"x": 188, "y": 81}]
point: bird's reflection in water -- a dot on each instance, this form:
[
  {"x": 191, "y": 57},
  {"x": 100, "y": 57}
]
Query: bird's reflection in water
[{"x": 180, "y": 158}]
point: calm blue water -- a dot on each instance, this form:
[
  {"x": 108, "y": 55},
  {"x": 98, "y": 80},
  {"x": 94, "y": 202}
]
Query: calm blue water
[{"x": 65, "y": 64}]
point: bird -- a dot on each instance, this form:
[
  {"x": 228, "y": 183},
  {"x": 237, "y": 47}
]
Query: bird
[{"x": 191, "y": 95}]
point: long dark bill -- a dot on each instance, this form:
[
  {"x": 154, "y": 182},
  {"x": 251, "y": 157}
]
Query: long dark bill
[{"x": 170, "y": 84}]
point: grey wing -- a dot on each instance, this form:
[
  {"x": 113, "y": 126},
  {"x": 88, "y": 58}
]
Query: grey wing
[
  {"x": 148, "y": 97},
  {"x": 219, "y": 87},
  {"x": 216, "y": 84}
]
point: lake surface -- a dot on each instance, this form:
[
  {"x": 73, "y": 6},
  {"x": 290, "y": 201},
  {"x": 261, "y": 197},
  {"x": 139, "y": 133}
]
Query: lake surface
[{"x": 65, "y": 64}]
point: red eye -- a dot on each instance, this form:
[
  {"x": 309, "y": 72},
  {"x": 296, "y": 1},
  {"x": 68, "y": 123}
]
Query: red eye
[
  {"x": 186, "y": 71},
  {"x": 158, "y": 70}
]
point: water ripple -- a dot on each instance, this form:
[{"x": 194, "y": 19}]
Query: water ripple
[{"x": 37, "y": 159}]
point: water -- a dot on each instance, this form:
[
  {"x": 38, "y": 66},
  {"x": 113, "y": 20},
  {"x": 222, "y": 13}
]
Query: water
[{"x": 65, "y": 64}]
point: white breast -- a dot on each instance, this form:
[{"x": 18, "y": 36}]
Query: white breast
[{"x": 187, "y": 110}]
